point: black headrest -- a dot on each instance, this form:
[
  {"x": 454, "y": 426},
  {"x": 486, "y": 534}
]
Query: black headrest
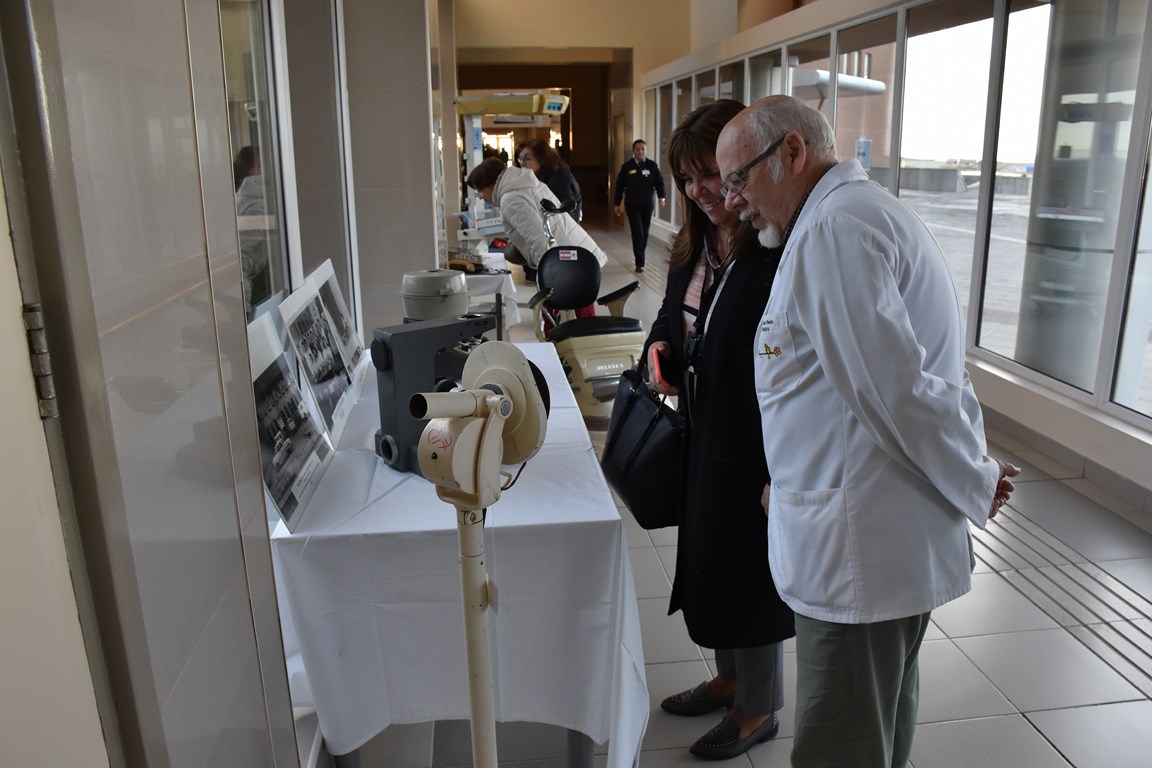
[{"x": 573, "y": 274}]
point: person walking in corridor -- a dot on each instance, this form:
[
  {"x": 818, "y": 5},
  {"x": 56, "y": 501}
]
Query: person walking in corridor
[{"x": 638, "y": 182}]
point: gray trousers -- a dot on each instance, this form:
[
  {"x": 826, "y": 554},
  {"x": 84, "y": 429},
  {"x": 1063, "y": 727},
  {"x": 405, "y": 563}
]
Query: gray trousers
[
  {"x": 759, "y": 676},
  {"x": 857, "y": 692}
]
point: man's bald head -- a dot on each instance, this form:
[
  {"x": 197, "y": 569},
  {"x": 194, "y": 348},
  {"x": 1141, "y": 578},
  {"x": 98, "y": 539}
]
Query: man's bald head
[{"x": 771, "y": 155}]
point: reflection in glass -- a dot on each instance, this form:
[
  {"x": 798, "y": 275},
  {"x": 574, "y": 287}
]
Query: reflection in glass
[
  {"x": 1083, "y": 146},
  {"x": 322, "y": 218},
  {"x": 766, "y": 75},
  {"x": 866, "y": 69},
  {"x": 1133, "y": 385},
  {"x": 256, "y": 157},
  {"x": 1024, "y": 61},
  {"x": 705, "y": 87},
  {"x": 940, "y": 159},
  {"x": 665, "y": 125},
  {"x": 732, "y": 81},
  {"x": 683, "y": 93},
  {"x": 809, "y": 62}
]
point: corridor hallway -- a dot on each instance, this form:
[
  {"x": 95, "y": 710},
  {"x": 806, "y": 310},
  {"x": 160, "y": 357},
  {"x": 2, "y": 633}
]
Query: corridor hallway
[{"x": 1047, "y": 663}]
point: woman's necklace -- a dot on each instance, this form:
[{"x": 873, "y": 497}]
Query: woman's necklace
[
  {"x": 717, "y": 264},
  {"x": 715, "y": 260}
]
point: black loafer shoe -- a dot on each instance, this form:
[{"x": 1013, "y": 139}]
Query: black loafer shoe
[
  {"x": 723, "y": 742},
  {"x": 694, "y": 702}
]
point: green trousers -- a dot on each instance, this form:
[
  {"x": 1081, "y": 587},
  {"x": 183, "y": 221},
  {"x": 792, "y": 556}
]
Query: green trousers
[{"x": 857, "y": 691}]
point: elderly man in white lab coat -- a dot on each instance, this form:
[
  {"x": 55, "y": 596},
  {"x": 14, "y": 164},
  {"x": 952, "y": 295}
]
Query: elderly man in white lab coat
[{"x": 872, "y": 432}]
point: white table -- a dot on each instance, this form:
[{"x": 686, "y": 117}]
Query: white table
[
  {"x": 499, "y": 286},
  {"x": 372, "y": 580}
]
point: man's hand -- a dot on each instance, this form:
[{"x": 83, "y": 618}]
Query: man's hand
[
  {"x": 619, "y": 210},
  {"x": 1004, "y": 487}
]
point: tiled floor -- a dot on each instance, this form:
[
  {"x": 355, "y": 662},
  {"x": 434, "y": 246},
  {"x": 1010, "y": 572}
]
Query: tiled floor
[{"x": 1046, "y": 663}]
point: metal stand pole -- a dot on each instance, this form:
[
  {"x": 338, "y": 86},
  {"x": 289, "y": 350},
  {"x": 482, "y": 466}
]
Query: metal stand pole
[{"x": 474, "y": 586}]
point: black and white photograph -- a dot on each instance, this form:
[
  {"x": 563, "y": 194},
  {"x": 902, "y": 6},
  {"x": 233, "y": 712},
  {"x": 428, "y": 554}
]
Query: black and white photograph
[
  {"x": 317, "y": 351},
  {"x": 292, "y": 445},
  {"x": 333, "y": 298}
]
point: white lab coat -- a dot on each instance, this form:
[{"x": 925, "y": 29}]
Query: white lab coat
[
  {"x": 872, "y": 431},
  {"x": 517, "y": 195}
]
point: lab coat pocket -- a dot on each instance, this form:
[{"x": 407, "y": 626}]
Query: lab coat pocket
[
  {"x": 815, "y": 561},
  {"x": 777, "y": 368}
]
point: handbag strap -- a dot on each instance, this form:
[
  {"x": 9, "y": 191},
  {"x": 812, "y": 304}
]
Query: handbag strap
[{"x": 700, "y": 329}]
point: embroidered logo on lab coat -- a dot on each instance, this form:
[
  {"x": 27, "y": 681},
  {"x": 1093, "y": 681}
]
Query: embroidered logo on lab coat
[{"x": 770, "y": 351}]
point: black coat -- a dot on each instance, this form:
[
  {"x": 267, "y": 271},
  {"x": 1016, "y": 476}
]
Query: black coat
[
  {"x": 563, "y": 185},
  {"x": 635, "y": 187},
  {"x": 723, "y": 583}
]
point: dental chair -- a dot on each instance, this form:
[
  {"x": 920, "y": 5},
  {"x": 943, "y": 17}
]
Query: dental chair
[{"x": 593, "y": 350}]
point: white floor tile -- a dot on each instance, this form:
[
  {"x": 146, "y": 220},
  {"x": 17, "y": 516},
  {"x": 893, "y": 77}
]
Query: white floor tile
[
  {"x": 1046, "y": 669},
  {"x": 934, "y": 632},
  {"x": 1136, "y": 574},
  {"x": 665, "y": 637},
  {"x": 668, "y": 560},
  {"x": 399, "y": 746},
  {"x": 664, "y": 537},
  {"x": 994, "y": 741},
  {"x": 773, "y": 754},
  {"x": 993, "y": 606},
  {"x": 953, "y": 688},
  {"x": 1048, "y": 466},
  {"x": 1080, "y": 523},
  {"x": 1112, "y": 735},
  {"x": 648, "y": 573},
  {"x": 1029, "y": 472}
]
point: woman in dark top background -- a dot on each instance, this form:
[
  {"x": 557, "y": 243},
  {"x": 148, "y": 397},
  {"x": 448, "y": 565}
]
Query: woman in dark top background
[
  {"x": 545, "y": 162},
  {"x": 722, "y": 584}
]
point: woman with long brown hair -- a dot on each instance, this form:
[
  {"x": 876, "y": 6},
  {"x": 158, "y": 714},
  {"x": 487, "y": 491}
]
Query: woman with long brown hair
[
  {"x": 545, "y": 162},
  {"x": 718, "y": 282}
]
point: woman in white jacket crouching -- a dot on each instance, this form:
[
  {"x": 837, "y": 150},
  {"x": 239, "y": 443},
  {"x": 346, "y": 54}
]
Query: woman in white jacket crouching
[{"x": 517, "y": 193}]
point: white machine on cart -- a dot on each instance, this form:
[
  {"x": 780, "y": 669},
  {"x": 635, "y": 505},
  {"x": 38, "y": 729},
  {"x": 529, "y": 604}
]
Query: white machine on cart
[{"x": 481, "y": 218}]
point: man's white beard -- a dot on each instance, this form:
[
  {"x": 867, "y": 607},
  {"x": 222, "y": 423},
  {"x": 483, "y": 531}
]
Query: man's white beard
[{"x": 770, "y": 236}]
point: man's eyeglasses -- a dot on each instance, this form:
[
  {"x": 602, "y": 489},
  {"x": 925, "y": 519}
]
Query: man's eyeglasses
[
  {"x": 525, "y": 159},
  {"x": 735, "y": 182}
]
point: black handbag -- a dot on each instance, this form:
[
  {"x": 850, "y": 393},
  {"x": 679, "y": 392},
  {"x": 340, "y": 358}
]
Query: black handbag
[{"x": 644, "y": 453}]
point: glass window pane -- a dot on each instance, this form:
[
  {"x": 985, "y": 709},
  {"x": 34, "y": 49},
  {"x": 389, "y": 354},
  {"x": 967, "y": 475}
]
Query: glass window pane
[
  {"x": 1085, "y": 123},
  {"x": 251, "y": 111},
  {"x": 705, "y": 87},
  {"x": 1024, "y": 60},
  {"x": 940, "y": 159},
  {"x": 866, "y": 69},
  {"x": 732, "y": 81},
  {"x": 659, "y": 153},
  {"x": 767, "y": 75},
  {"x": 683, "y": 89},
  {"x": 650, "y": 114},
  {"x": 1133, "y": 385},
  {"x": 810, "y": 65},
  {"x": 318, "y": 156}
]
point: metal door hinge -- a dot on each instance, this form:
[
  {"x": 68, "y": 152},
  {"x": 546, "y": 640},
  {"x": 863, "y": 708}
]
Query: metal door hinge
[{"x": 41, "y": 363}]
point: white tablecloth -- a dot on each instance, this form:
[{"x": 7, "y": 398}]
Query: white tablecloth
[
  {"x": 372, "y": 578},
  {"x": 495, "y": 285}
]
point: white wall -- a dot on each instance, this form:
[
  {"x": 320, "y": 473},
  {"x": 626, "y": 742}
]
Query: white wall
[
  {"x": 48, "y": 710},
  {"x": 390, "y": 124},
  {"x": 712, "y": 21}
]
